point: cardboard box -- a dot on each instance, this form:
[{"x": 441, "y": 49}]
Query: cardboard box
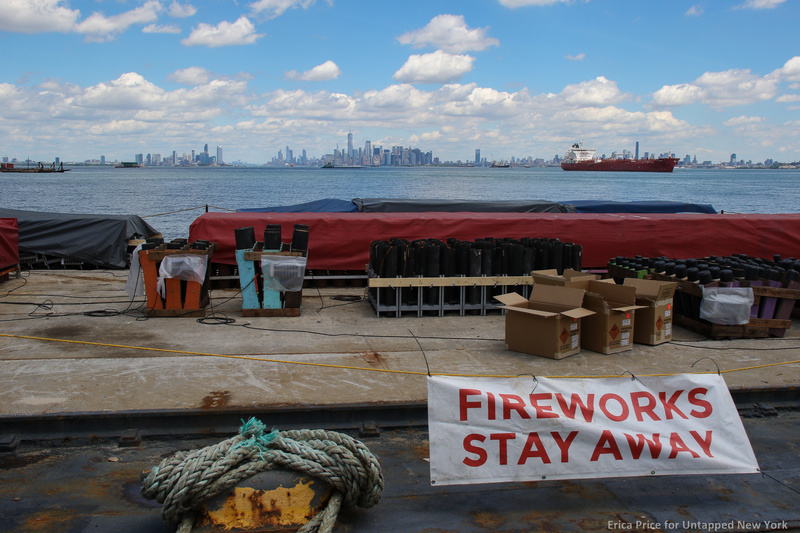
[
  {"x": 548, "y": 324},
  {"x": 654, "y": 321},
  {"x": 610, "y": 329},
  {"x": 552, "y": 277}
]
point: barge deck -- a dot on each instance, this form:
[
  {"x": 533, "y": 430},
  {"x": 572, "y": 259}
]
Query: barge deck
[{"x": 82, "y": 364}]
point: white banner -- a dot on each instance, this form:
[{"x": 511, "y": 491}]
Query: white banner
[{"x": 485, "y": 430}]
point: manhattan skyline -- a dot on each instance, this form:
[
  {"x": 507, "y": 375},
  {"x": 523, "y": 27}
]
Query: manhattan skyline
[{"x": 511, "y": 77}]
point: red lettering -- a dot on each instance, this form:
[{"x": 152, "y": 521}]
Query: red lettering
[
  {"x": 698, "y": 402},
  {"x": 704, "y": 443},
  {"x": 648, "y": 408},
  {"x": 491, "y": 406},
  {"x": 563, "y": 445},
  {"x": 542, "y": 411},
  {"x": 503, "y": 438},
  {"x": 533, "y": 448},
  {"x": 606, "y": 444},
  {"x": 464, "y": 404},
  {"x": 575, "y": 402},
  {"x": 604, "y": 399},
  {"x": 469, "y": 448},
  {"x": 677, "y": 444},
  {"x": 636, "y": 445},
  {"x": 512, "y": 402},
  {"x": 669, "y": 405}
]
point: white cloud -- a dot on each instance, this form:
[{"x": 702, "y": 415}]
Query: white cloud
[
  {"x": 436, "y": 67},
  {"x": 37, "y": 16},
  {"x": 578, "y": 57},
  {"x": 522, "y": 3},
  {"x": 178, "y": 10},
  {"x": 120, "y": 127},
  {"x": 483, "y": 102},
  {"x": 760, "y": 4},
  {"x": 675, "y": 95},
  {"x": 790, "y": 70},
  {"x": 155, "y": 28},
  {"x": 451, "y": 34},
  {"x": 596, "y": 92},
  {"x": 719, "y": 89},
  {"x": 324, "y": 72},
  {"x": 743, "y": 120},
  {"x": 695, "y": 11},
  {"x": 129, "y": 91},
  {"x": 735, "y": 87},
  {"x": 190, "y": 76},
  {"x": 397, "y": 99},
  {"x": 225, "y": 33},
  {"x": 298, "y": 103},
  {"x": 276, "y": 8},
  {"x": 788, "y": 98},
  {"x": 99, "y": 28}
]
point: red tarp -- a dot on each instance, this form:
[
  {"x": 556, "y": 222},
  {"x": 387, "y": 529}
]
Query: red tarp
[
  {"x": 340, "y": 241},
  {"x": 9, "y": 242}
]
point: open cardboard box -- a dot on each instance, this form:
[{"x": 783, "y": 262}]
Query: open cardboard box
[
  {"x": 610, "y": 329},
  {"x": 552, "y": 277},
  {"x": 547, "y": 324},
  {"x": 654, "y": 321}
]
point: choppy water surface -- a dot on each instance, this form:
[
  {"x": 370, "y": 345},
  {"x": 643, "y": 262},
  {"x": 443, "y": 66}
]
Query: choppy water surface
[{"x": 153, "y": 191}]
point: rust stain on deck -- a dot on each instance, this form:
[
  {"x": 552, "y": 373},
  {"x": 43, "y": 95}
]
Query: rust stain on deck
[{"x": 216, "y": 400}]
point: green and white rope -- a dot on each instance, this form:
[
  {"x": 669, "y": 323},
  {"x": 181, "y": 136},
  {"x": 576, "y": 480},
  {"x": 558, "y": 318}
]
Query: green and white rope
[{"x": 185, "y": 480}]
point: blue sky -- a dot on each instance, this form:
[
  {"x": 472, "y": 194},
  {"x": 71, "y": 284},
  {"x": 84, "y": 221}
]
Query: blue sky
[{"x": 81, "y": 79}]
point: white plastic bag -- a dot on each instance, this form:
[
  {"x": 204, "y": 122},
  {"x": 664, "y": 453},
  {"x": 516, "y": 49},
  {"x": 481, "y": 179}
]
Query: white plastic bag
[
  {"x": 283, "y": 272},
  {"x": 187, "y": 267},
  {"x": 729, "y": 306},
  {"x": 135, "y": 284}
]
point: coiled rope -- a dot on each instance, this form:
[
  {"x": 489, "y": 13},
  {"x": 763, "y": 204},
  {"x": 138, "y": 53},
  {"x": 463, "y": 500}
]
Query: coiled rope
[{"x": 184, "y": 481}]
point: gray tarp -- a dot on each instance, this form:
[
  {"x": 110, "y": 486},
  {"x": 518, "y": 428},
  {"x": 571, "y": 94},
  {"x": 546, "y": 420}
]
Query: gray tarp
[
  {"x": 405, "y": 205},
  {"x": 100, "y": 240},
  {"x": 647, "y": 206}
]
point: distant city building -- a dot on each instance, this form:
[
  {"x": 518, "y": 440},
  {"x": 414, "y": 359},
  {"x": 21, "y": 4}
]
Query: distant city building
[
  {"x": 477, "y": 156},
  {"x": 349, "y": 147},
  {"x": 219, "y": 155}
]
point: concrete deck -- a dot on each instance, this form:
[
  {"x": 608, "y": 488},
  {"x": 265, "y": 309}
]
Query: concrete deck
[{"x": 71, "y": 342}]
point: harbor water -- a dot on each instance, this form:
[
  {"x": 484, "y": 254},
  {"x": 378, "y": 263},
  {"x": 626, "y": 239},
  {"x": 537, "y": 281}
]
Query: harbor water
[{"x": 170, "y": 198}]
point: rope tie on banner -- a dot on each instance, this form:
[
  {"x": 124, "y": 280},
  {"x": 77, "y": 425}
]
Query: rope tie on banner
[
  {"x": 185, "y": 480},
  {"x": 710, "y": 359}
]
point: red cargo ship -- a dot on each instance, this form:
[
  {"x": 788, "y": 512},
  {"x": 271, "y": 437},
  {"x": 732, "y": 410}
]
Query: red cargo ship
[{"x": 580, "y": 158}]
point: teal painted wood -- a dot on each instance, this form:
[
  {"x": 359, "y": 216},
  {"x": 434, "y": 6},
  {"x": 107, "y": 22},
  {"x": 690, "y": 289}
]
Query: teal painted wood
[
  {"x": 247, "y": 281},
  {"x": 272, "y": 299}
]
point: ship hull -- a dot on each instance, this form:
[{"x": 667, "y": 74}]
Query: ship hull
[{"x": 664, "y": 164}]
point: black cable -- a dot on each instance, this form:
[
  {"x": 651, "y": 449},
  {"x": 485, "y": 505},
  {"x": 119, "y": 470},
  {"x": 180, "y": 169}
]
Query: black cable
[
  {"x": 25, "y": 280},
  {"x": 696, "y": 344}
]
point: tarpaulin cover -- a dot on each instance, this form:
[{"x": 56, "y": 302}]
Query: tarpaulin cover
[
  {"x": 326, "y": 205},
  {"x": 649, "y": 206},
  {"x": 9, "y": 242},
  {"x": 408, "y": 205},
  {"x": 100, "y": 240},
  {"x": 340, "y": 241}
]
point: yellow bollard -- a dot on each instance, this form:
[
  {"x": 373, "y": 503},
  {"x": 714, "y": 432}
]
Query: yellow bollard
[{"x": 272, "y": 501}]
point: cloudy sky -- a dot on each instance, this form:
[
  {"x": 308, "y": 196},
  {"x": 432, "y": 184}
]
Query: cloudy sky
[{"x": 81, "y": 79}]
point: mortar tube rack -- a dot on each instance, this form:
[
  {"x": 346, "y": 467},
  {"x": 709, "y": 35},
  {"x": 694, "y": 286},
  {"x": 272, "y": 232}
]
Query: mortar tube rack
[{"x": 462, "y": 283}]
